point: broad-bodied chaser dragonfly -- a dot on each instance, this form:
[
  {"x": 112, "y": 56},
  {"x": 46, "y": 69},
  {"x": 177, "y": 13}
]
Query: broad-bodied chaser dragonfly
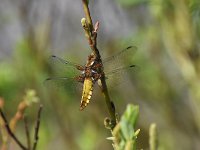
[{"x": 92, "y": 71}]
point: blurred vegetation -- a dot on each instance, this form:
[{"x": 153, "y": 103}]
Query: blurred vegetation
[
  {"x": 166, "y": 87},
  {"x": 124, "y": 134},
  {"x": 8, "y": 127}
]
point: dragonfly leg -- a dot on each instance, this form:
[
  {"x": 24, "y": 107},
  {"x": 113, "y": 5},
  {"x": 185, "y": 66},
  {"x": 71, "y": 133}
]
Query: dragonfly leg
[
  {"x": 81, "y": 68},
  {"x": 80, "y": 79}
]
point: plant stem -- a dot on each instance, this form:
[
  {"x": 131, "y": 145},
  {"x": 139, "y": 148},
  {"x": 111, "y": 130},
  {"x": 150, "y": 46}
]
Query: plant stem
[
  {"x": 27, "y": 133},
  {"x": 91, "y": 35},
  {"x": 10, "y": 131},
  {"x": 87, "y": 14},
  {"x": 109, "y": 103},
  {"x": 153, "y": 137},
  {"x": 37, "y": 127}
]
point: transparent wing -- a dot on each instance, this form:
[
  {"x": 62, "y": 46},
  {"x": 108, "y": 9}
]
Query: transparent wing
[
  {"x": 120, "y": 58},
  {"x": 56, "y": 58},
  {"x": 64, "y": 68},
  {"x": 63, "y": 83},
  {"x": 120, "y": 75},
  {"x": 120, "y": 70},
  {"x": 123, "y": 54},
  {"x": 116, "y": 67},
  {"x": 63, "y": 74}
]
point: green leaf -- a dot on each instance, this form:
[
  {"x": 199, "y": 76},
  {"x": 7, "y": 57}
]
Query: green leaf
[
  {"x": 131, "y": 114},
  {"x": 128, "y": 121}
]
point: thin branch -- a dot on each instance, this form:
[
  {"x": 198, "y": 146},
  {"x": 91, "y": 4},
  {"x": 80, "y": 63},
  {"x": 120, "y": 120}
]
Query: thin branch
[
  {"x": 109, "y": 103},
  {"x": 10, "y": 132},
  {"x": 91, "y": 35},
  {"x": 37, "y": 127},
  {"x": 27, "y": 133},
  {"x": 87, "y": 14},
  {"x": 90, "y": 32},
  {"x": 18, "y": 115},
  {"x": 3, "y": 131}
]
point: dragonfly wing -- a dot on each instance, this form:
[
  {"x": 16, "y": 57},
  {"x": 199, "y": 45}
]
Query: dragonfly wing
[
  {"x": 120, "y": 70},
  {"x": 63, "y": 83},
  {"x": 119, "y": 58},
  {"x": 56, "y": 58},
  {"x": 120, "y": 74},
  {"x": 123, "y": 54},
  {"x": 61, "y": 67}
]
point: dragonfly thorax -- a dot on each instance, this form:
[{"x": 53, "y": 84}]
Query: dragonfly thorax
[
  {"x": 92, "y": 73},
  {"x": 93, "y": 69}
]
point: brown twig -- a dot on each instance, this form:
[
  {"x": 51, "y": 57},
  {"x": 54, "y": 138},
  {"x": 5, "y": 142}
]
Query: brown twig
[
  {"x": 10, "y": 131},
  {"x": 19, "y": 115},
  {"x": 3, "y": 130},
  {"x": 37, "y": 127},
  {"x": 91, "y": 35},
  {"x": 27, "y": 133}
]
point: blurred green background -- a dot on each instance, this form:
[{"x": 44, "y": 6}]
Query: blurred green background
[{"x": 166, "y": 86}]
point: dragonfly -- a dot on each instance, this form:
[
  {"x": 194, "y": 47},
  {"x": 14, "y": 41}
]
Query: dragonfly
[{"x": 92, "y": 71}]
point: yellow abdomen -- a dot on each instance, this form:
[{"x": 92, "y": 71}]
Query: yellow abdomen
[{"x": 87, "y": 93}]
